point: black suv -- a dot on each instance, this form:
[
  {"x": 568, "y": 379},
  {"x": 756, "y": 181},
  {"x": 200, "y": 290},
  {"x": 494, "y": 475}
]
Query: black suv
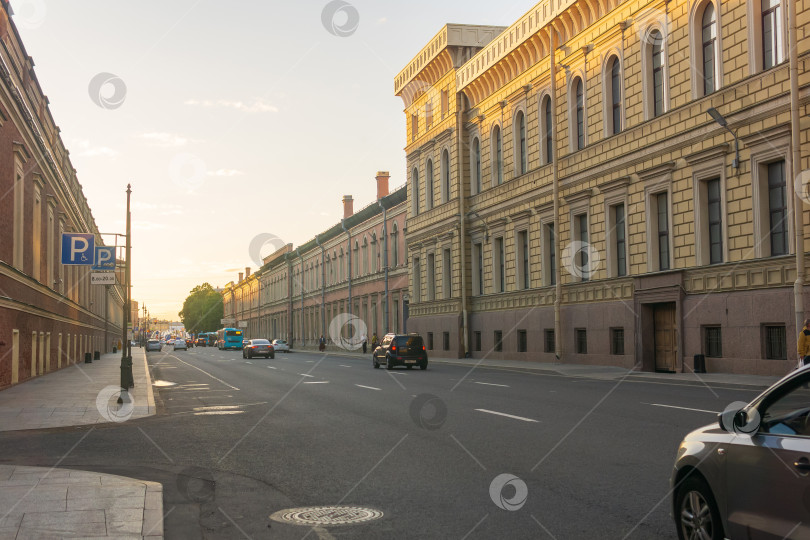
[{"x": 400, "y": 350}]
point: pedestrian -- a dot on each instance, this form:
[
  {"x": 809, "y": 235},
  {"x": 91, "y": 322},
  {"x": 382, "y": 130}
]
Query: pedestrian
[
  {"x": 322, "y": 343},
  {"x": 364, "y": 340},
  {"x": 374, "y": 342},
  {"x": 804, "y": 344}
]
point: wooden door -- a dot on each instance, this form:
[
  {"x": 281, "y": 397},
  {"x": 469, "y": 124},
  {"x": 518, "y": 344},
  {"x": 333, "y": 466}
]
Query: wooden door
[{"x": 666, "y": 337}]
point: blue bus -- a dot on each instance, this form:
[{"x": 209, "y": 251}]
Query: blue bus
[{"x": 229, "y": 338}]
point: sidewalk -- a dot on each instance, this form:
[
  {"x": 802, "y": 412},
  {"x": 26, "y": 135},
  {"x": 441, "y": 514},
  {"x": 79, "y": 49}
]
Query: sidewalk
[
  {"x": 40, "y": 502},
  {"x": 78, "y": 395},
  {"x": 589, "y": 371}
]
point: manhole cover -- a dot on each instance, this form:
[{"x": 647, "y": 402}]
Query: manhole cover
[{"x": 315, "y": 516}]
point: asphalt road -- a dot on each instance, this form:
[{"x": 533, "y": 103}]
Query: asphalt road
[{"x": 237, "y": 440}]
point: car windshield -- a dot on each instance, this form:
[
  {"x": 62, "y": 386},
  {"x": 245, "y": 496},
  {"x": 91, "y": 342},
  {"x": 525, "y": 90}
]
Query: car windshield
[{"x": 260, "y": 342}]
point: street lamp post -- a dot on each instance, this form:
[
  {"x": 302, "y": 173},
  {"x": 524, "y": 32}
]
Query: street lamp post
[{"x": 126, "y": 351}]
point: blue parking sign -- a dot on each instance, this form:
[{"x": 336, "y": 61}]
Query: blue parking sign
[
  {"x": 78, "y": 248},
  {"x": 105, "y": 258}
]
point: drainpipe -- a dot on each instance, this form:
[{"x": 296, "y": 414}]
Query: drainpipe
[
  {"x": 323, "y": 287},
  {"x": 796, "y": 163},
  {"x": 556, "y": 196},
  {"x": 349, "y": 253},
  {"x": 462, "y": 218},
  {"x": 385, "y": 262},
  {"x": 301, "y": 275}
]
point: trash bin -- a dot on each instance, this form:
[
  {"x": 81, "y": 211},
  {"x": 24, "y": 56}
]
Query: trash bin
[
  {"x": 88, "y": 358},
  {"x": 700, "y": 363},
  {"x": 96, "y": 355},
  {"x": 115, "y": 350}
]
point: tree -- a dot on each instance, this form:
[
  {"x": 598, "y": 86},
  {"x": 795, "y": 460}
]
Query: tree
[{"x": 202, "y": 310}]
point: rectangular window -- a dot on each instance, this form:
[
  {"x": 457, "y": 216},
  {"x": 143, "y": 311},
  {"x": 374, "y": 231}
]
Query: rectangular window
[
  {"x": 620, "y": 240},
  {"x": 477, "y": 340},
  {"x": 446, "y": 287},
  {"x": 523, "y": 259},
  {"x": 548, "y": 341},
  {"x": 712, "y": 346},
  {"x": 19, "y": 213},
  {"x": 581, "y": 337},
  {"x": 428, "y": 114},
  {"x": 777, "y": 208},
  {"x": 414, "y": 126},
  {"x": 521, "y": 341},
  {"x": 430, "y": 341},
  {"x": 662, "y": 209},
  {"x": 580, "y": 258},
  {"x": 431, "y": 276},
  {"x": 417, "y": 280},
  {"x": 772, "y": 31},
  {"x": 500, "y": 263},
  {"x": 445, "y": 103},
  {"x": 775, "y": 343},
  {"x": 549, "y": 249},
  {"x": 446, "y": 341},
  {"x": 478, "y": 269},
  {"x": 715, "y": 221},
  {"x": 498, "y": 340},
  {"x": 617, "y": 341}
]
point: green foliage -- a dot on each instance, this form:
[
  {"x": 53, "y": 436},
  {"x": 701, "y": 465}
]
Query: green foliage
[{"x": 202, "y": 310}]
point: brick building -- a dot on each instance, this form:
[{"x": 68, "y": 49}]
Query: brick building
[
  {"x": 589, "y": 205},
  {"x": 298, "y": 291},
  {"x": 50, "y": 315}
]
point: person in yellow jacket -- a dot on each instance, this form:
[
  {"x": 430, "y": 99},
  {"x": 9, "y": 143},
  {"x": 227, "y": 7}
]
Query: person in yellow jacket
[{"x": 804, "y": 344}]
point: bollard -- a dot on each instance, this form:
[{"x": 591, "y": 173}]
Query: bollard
[
  {"x": 88, "y": 358},
  {"x": 115, "y": 350},
  {"x": 127, "y": 379},
  {"x": 96, "y": 355}
]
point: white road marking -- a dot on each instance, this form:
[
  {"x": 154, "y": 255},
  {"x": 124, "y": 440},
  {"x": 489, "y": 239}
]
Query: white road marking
[
  {"x": 341, "y": 365},
  {"x": 507, "y": 415},
  {"x": 316, "y": 382},
  {"x": 198, "y": 369},
  {"x": 251, "y": 363},
  {"x": 493, "y": 384},
  {"x": 271, "y": 367},
  {"x": 369, "y": 387},
  {"x": 306, "y": 375},
  {"x": 683, "y": 408},
  {"x": 310, "y": 361},
  {"x": 216, "y": 408},
  {"x": 211, "y": 413},
  {"x": 196, "y": 384}
]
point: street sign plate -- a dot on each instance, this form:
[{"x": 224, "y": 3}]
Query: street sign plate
[
  {"x": 78, "y": 248},
  {"x": 104, "y": 258},
  {"x": 102, "y": 278},
  {"x": 243, "y": 324}
]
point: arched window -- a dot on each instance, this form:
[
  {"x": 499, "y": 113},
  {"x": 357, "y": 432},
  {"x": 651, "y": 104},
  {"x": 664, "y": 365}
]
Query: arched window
[
  {"x": 356, "y": 261},
  {"x": 476, "y": 165},
  {"x": 374, "y": 251},
  {"x": 613, "y": 112},
  {"x": 342, "y": 266},
  {"x": 415, "y": 190},
  {"x": 497, "y": 156},
  {"x": 445, "y": 176},
  {"x": 429, "y": 184},
  {"x": 657, "y": 72},
  {"x": 521, "y": 157},
  {"x": 709, "y": 46},
  {"x": 578, "y": 93},
  {"x": 394, "y": 247},
  {"x": 548, "y": 130},
  {"x": 365, "y": 256}
]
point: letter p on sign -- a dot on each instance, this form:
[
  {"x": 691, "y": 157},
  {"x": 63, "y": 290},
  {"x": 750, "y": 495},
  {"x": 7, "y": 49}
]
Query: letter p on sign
[{"x": 78, "y": 248}]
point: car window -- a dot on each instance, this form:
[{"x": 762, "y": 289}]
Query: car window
[
  {"x": 387, "y": 340},
  {"x": 789, "y": 412},
  {"x": 260, "y": 342}
]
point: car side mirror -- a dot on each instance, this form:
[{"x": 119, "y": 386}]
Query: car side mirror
[{"x": 738, "y": 421}]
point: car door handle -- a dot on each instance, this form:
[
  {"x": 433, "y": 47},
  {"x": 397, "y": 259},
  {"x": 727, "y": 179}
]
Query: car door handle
[{"x": 802, "y": 464}]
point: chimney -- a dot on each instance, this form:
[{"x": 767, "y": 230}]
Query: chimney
[
  {"x": 241, "y": 277},
  {"x": 382, "y": 184},
  {"x": 348, "y": 206},
  {"x": 247, "y": 272}
]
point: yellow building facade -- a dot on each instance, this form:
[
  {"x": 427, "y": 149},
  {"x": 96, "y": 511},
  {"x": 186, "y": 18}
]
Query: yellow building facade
[{"x": 626, "y": 200}]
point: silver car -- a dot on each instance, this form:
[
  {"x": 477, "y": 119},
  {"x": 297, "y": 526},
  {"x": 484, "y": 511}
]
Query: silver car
[
  {"x": 748, "y": 475},
  {"x": 180, "y": 344},
  {"x": 279, "y": 345}
]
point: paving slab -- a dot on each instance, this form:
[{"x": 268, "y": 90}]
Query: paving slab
[{"x": 77, "y": 504}]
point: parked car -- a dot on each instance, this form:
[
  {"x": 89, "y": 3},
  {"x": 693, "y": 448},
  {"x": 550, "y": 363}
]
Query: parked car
[
  {"x": 746, "y": 476},
  {"x": 258, "y": 347},
  {"x": 152, "y": 345},
  {"x": 400, "y": 350},
  {"x": 279, "y": 345},
  {"x": 180, "y": 344}
]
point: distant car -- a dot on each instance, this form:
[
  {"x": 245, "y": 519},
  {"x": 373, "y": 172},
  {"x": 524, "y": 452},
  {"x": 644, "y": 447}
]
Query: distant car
[
  {"x": 400, "y": 350},
  {"x": 201, "y": 342},
  {"x": 258, "y": 347},
  {"x": 153, "y": 345},
  {"x": 745, "y": 476},
  {"x": 279, "y": 345},
  {"x": 190, "y": 342},
  {"x": 170, "y": 341},
  {"x": 245, "y": 342},
  {"x": 180, "y": 344}
]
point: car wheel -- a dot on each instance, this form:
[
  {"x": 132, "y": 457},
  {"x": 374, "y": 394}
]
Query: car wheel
[
  {"x": 374, "y": 361},
  {"x": 243, "y": 354},
  {"x": 272, "y": 357},
  {"x": 423, "y": 366},
  {"x": 698, "y": 516},
  {"x": 388, "y": 364}
]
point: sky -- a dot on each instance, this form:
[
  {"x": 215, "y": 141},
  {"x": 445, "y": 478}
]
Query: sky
[{"x": 232, "y": 121}]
